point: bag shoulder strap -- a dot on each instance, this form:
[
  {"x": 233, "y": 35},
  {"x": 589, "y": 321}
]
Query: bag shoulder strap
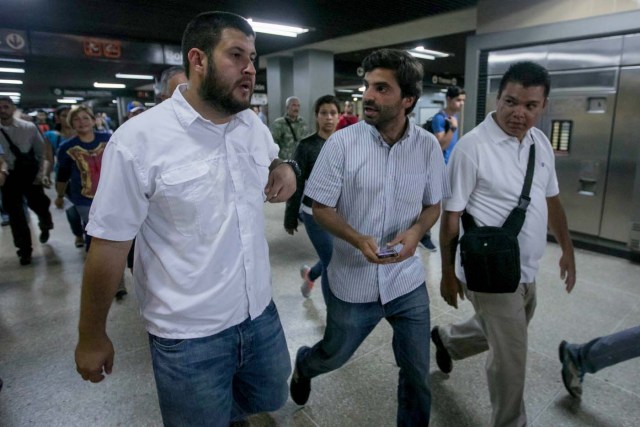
[
  {"x": 515, "y": 220},
  {"x": 295, "y": 138},
  {"x": 13, "y": 147}
]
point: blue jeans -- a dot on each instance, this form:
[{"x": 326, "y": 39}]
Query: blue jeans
[
  {"x": 606, "y": 351},
  {"x": 83, "y": 212},
  {"x": 213, "y": 380},
  {"x": 75, "y": 222},
  {"x": 348, "y": 324},
  {"x": 322, "y": 242}
]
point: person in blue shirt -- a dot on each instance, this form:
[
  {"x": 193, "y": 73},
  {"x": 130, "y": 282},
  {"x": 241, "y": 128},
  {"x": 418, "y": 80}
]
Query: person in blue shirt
[
  {"x": 79, "y": 163},
  {"x": 444, "y": 126}
]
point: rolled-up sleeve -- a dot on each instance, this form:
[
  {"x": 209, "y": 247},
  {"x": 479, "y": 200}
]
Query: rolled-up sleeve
[
  {"x": 121, "y": 202},
  {"x": 325, "y": 183}
]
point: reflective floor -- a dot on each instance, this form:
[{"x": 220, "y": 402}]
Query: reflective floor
[{"x": 39, "y": 312}]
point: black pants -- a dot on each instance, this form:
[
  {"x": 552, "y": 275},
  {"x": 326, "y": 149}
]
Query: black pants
[{"x": 14, "y": 192}]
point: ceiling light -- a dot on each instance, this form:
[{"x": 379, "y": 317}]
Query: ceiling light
[
  {"x": 11, "y": 70},
  {"x": 149, "y": 104},
  {"x": 361, "y": 89},
  {"x": 9, "y": 93},
  {"x": 10, "y": 82},
  {"x": 66, "y": 101},
  {"x": 276, "y": 29},
  {"x": 75, "y": 98},
  {"x": 433, "y": 53},
  {"x": 421, "y": 55},
  {"x": 134, "y": 76},
  {"x": 12, "y": 60},
  {"x": 109, "y": 85},
  {"x": 114, "y": 101},
  {"x": 344, "y": 90},
  {"x": 357, "y": 95}
]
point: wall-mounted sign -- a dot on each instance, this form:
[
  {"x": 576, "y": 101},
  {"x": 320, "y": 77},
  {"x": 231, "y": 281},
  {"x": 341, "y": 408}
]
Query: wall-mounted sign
[
  {"x": 260, "y": 87},
  {"x": 13, "y": 41},
  {"x": 259, "y": 99},
  {"x": 98, "y": 48},
  {"x": 172, "y": 55},
  {"x": 83, "y": 93},
  {"x": 360, "y": 71},
  {"x": 447, "y": 81}
]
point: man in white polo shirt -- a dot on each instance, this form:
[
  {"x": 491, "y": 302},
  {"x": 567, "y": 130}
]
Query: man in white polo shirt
[
  {"x": 188, "y": 179},
  {"x": 486, "y": 174}
]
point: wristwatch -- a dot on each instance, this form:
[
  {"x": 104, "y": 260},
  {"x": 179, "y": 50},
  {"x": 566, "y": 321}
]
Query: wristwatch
[{"x": 294, "y": 166}]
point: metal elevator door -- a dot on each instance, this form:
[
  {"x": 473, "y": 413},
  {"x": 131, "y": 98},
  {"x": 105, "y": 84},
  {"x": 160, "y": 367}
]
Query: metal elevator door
[
  {"x": 623, "y": 161},
  {"x": 581, "y": 168}
]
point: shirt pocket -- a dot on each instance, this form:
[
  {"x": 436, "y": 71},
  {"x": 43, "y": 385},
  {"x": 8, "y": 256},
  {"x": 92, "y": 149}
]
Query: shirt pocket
[
  {"x": 256, "y": 174},
  {"x": 194, "y": 194}
]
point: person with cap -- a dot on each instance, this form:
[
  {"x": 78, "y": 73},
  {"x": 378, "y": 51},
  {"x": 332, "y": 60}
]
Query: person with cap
[{"x": 134, "y": 108}]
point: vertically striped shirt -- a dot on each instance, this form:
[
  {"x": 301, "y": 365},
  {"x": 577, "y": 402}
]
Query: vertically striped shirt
[{"x": 380, "y": 191}]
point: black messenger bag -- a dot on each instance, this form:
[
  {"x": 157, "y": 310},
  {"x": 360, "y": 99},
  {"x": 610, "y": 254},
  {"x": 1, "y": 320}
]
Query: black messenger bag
[
  {"x": 490, "y": 256},
  {"x": 25, "y": 165}
]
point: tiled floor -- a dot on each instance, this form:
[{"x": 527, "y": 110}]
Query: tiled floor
[{"x": 39, "y": 311}]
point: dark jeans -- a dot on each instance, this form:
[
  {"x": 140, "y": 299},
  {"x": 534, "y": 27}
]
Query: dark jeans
[
  {"x": 606, "y": 351},
  {"x": 75, "y": 222},
  {"x": 348, "y": 324},
  {"x": 13, "y": 194},
  {"x": 322, "y": 242}
]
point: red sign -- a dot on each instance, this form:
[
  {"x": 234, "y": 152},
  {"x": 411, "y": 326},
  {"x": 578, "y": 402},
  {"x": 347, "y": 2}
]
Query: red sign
[{"x": 97, "y": 48}]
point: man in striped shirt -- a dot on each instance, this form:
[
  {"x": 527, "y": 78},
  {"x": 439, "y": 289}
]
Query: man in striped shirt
[{"x": 378, "y": 185}]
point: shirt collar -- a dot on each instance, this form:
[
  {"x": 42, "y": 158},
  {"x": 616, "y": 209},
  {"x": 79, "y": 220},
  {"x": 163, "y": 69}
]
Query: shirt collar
[
  {"x": 187, "y": 115},
  {"x": 409, "y": 131},
  {"x": 497, "y": 135}
]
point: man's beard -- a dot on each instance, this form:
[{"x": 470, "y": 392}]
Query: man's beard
[{"x": 218, "y": 95}]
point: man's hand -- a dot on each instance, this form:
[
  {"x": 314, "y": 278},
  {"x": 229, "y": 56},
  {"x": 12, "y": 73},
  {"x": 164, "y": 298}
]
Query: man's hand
[
  {"x": 291, "y": 230},
  {"x": 46, "y": 182},
  {"x": 568, "y": 270},
  {"x": 59, "y": 202},
  {"x": 281, "y": 184},
  {"x": 409, "y": 240},
  {"x": 450, "y": 289},
  {"x": 369, "y": 248},
  {"x": 94, "y": 358},
  {"x": 453, "y": 122}
]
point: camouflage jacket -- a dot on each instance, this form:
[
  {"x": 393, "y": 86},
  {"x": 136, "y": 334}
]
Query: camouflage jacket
[{"x": 283, "y": 136}]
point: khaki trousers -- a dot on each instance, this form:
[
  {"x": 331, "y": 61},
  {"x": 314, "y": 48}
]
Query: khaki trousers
[{"x": 500, "y": 326}]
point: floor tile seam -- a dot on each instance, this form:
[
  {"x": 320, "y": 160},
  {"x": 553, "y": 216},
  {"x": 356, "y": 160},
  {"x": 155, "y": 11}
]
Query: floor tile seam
[
  {"x": 308, "y": 417},
  {"x": 546, "y": 407}
]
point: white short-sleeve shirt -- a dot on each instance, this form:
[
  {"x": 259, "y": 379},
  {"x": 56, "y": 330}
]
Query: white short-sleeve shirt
[
  {"x": 191, "y": 192},
  {"x": 486, "y": 173}
]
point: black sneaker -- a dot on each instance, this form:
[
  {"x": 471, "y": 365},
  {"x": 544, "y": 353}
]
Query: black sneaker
[
  {"x": 443, "y": 359},
  {"x": 300, "y": 386},
  {"x": 44, "y": 235},
  {"x": 428, "y": 244}
]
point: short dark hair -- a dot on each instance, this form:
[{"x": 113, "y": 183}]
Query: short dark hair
[
  {"x": 528, "y": 74},
  {"x": 326, "y": 99},
  {"x": 407, "y": 69},
  {"x": 204, "y": 31},
  {"x": 60, "y": 109},
  {"x": 7, "y": 99},
  {"x": 454, "y": 91}
]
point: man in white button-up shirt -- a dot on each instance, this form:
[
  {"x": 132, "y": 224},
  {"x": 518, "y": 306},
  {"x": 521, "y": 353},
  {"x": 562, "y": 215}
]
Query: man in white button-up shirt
[{"x": 188, "y": 178}]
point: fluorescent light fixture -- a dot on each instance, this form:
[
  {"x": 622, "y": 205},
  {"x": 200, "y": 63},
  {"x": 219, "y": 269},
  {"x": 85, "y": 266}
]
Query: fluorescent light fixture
[
  {"x": 10, "y": 82},
  {"x": 134, "y": 76},
  {"x": 114, "y": 101},
  {"x": 149, "y": 104},
  {"x": 277, "y": 29},
  {"x": 75, "y": 98},
  {"x": 344, "y": 90},
  {"x": 9, "y": 93},
  {"x": 421, "y": 55},
  {"x": 11, "y": 70},
  {"x": 12, "y": 60},
  {"x": 109, "y": 85},
  {"x": 361, "y": 89},
  {"x": 66, "y": 101},
  {"x": 357, "y": 95},
  {"x": 421, "y": 52}
]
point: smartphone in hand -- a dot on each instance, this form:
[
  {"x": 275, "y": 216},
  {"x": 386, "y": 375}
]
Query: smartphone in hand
[{"x": 387, "y": 252}]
